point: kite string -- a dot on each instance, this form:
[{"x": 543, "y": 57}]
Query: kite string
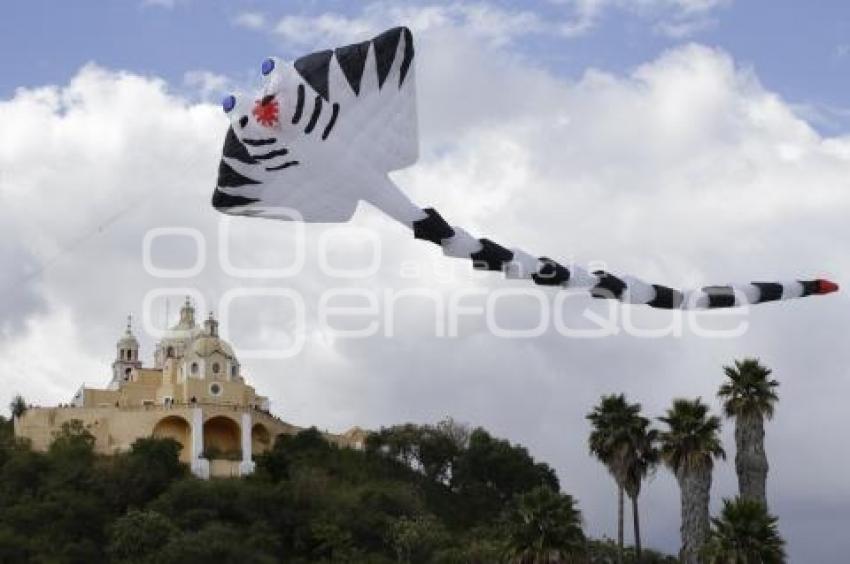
[{"x": 98, "y": 228}]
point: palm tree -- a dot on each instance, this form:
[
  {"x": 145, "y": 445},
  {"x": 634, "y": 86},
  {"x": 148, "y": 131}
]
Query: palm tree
[
  {"x": 17, "y": 406},
  {"x": 689, "y": 448},
  {"x": 643, "y": 459},
  {"x": 614, "y": 422},
  {"x": 745, "y": 533},
  {"x": 544, "y": 527},
  {"x": 749, "y": 396}
]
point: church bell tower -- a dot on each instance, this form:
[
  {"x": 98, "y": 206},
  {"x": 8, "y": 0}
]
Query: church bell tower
[{"x": 127, "y": 357}]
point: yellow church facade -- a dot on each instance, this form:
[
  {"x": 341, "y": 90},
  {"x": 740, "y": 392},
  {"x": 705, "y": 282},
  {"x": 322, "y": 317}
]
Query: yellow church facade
[{"x": 194, "y": 393}]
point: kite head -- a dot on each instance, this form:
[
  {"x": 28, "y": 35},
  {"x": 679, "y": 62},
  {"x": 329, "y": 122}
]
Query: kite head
[
  {"x": 322, "y": 133},
  {"x": 258, "y": 116}
]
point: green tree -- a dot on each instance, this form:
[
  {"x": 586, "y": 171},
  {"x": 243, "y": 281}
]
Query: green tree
[
  {"x": 689, "y": 447},
  {"x": 139, "y": 535},
  {"x": 17, "y": 406},
  {"x": 416, "y": 538},
  {"x": 642, "y": 461},
  {"x": 614, "y": 424},
  {"x": 71, "y": 455},
  {"x": 219, "y": 543},
  {"x": 749, "y": 397},
  {"x": 431, "y": 449},
  {"x": 491, "y": 472},
  {"x": 543, "y": 526},
  {"x": 72, "y": 435},
  {"x": 745, "y": 533},
  {"x": 333, "y": 542},
  {"x": 145, "y": 472},
  {"x": 605, "y": 551}
]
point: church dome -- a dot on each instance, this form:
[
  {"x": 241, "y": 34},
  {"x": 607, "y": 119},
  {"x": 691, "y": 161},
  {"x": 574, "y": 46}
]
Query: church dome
[
  {"x": 128, "y": 340},
  {"x": 206, "y": 345}
]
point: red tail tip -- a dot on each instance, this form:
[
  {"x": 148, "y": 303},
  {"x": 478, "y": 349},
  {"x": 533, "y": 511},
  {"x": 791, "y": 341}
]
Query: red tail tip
[{"x": 826, "y": 287}]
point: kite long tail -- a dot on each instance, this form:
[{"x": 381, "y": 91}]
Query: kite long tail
[{"x": 517, "y": 264}]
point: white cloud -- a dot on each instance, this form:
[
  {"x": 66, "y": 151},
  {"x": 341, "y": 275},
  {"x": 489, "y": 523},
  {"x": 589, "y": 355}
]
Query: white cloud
[
  {"x": 304, "y": 30},
  {"x": 210, "y": 86},
  {"x": 686, "y": 170},
  {"x": 673, "y": 18},
  {"x": 683, "y": 29},
  {"x": 495, "y": 25},
  {"x": 167, "y": 4},
  {"x": 38, "y": 363},
  {"x": 251, "y": 20}
]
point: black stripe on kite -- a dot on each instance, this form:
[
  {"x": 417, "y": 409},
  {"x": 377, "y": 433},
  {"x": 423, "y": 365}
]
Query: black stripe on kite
[
  {"x": 666, "y": 298},
  {"x": 720, "y": 296},
  {"x": 491, "y": 256},
  {"x": 329, "y": 127},
  {"x": 273, "y": 154},
  {"x": 352, "y": 61},
  {"x": 551, "y": 273},
  {"x": 810, "y": 287},
  {"x": 299, "y": 105},
  {"x": 317, "y": 109},
  {"x": 608, "y": 287},
  {"x": 259, "y": 142},
  {"x": 229, "y": 178},
  {"x": 223, "y": 200},
  {"x": 287, "y": 164},
  {"x": 432, "y": 227},
  {"x": 235, "y": 150},
  {"x": 386, "y": 45},
  {"x": 314, "y": 68},
  {"x": 769, "y": 291},
  {"x": 408, "y": 55}
]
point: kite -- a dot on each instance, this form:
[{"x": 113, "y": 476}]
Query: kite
[{"x": 325, "y": 131}]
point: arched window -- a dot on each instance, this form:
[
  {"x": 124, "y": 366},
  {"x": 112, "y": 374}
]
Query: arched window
[
  {"x": 234, "y": 371},
  {"x": 216, "y": 367},
  {"x": 169, "y": 352},
  {"x": 194, "y": 368}
]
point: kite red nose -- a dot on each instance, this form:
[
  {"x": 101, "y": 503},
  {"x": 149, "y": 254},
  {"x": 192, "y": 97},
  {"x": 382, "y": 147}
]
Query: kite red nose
[
  {"x": 826, "y": 287},
  {"x": 267, "y": 111}
]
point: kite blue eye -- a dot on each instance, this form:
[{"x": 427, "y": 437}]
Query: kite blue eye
[
  {"x": 268, "y": 66},
  {"x": 228, "y": 103}
]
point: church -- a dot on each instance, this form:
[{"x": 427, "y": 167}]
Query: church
[{"x": 195, "y": 393}]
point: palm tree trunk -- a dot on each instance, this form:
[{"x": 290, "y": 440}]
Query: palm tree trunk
[
  {"x": 636, "y": 520},
  {"x": 750, "y": 459},
  {"x": 620, "y": 524},
  {"x": 695, "y": 486}
]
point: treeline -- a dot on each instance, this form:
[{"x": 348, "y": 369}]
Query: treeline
[{"x": 439, "y": 493}]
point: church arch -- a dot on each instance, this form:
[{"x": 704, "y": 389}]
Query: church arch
[
  {"x": 177, "y": 428},
  {"x": 222, "y": 439},
  {"x": 261, "y": 439}
]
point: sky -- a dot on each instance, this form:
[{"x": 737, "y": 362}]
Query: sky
[{"x": 686, "y": 141}]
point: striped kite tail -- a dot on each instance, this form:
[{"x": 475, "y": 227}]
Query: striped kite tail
[{"x": 517, "y": 264}]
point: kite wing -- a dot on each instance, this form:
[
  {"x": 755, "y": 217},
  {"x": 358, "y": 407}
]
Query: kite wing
[{"x": 324, "y": 132}]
